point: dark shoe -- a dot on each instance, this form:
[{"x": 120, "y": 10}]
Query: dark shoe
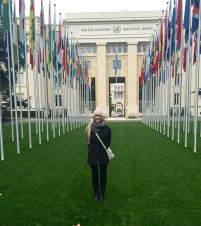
[
  {"x": 101, "y": 197},
  {"x": 96, "y": 197}
]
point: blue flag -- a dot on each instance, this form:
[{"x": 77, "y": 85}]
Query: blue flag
[
  {"x": 173, "y": 29},
  {"x": 116, "y": 64},
  {"x": 195, "y": 16},
  {"x": 5, "y": 46}
]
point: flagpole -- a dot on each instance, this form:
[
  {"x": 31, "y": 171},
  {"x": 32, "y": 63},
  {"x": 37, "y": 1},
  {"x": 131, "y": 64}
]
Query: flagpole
[
  {"x": 18, "y": 68},
  {"x": 1, "y": 133},
  {"x": 37, "y": 82},
  {"x": 180, "y": 82},
  {"x": 197, "y": 80},
  {"x": 67, "y": 78},
  {"x": 46, "y": 90},
  {"x": 10, "y": 87},
  {"x": 187, "y": 80},
  {"x": 14, "y": 83},
  {"x": 73, "y": 91}
]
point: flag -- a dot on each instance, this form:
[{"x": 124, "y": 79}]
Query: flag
[
  {"x": 184, "y": 59},
  {"x": 22, "y": 25},
  {"x": 195, "y": 47},
  {"x": 59, "y": 48},
  {"x": 71, "y": 59},
  {"x": 186, "y": 27},
  {"x": 178, "y": 22},
  {"x": 90, "y": 78},
  {"x": 116, "y": 64},
  {"x": 5, "y": 16},
  {"x": 64, "y": 57},
  {"x": 21, "y": 20},
  {"x": 42, "y": 22},
  {"x": 142, "y": 74},
  {"x": 32, "y": 26},
  {"x": 5, "y": 45},
  {"x": 160, "y": 43},
  {"x": 49, "y": 41},
  {"x": 67, "y": 56},
  {"x": 186, "y": 18},
  {"x": 54, "y": 40},
  {"x": 152, "y": 57},
  {"x": 15, "y": 38},
  {"x": 165, "y": 37},
  {"x": 169, "y": 31},
  {"x": 173, "y": 29},
  {"x": 31, "y": 59},
  {"x": 195, "y": 18}
]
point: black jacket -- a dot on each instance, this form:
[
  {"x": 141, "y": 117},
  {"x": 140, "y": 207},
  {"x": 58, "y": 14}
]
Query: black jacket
[{"x": 97, "y": 154}]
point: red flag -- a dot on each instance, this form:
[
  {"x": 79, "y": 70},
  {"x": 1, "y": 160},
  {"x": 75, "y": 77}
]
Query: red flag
[
  {"x": 31, "y": 59},
  {"x": 178, "y": 22},
  {"x": 41, "y": 19},
  {"x": 142, "y": 74},
  {"x": 184, "y": 59},
  {"x": 173, "y": 64},
  {"x": 165, "y": 37},
  {"x": 160, "y": 42},
  {"x": 195, "y": 46}
]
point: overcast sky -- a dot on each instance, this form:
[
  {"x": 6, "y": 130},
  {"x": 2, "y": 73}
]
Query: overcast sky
[{"x": 72, "y": 6}]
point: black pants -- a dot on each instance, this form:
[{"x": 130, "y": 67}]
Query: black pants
[{"x": 95, "y": 178}]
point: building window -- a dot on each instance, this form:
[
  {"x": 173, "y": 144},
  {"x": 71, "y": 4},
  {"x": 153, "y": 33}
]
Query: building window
[
  {"x": 88, "y": 49},
  {"x": 79, "y": 50},
  {"x": 119, "y": 49},
  {"x": 119, "y": 64},
  {"x": 139, "y": 48},
  {"x": 83, "y": 49},
  {"x": 177, "y": 79},
  {"x": 118, "y": 95},
  {"x": 144, "y": 48},
  {"x": 59, "y": 100},
  {"x": 176, "y": 98},
  {"x": 125, "y": 48},
  {"x": 22, "y": 95},
  {"x": 20, "y": 79},
  {"x": 114, "y": 49},
  {"x": 94, "y": 49},
  {"x": 108, "y": 48},
  {"x": 89, "y": 64}
]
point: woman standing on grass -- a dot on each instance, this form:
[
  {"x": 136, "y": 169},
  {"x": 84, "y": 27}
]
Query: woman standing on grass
[{"x": 97, "y": 156}]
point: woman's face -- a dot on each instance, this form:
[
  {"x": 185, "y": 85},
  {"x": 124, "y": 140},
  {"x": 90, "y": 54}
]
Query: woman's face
[{"x": 97, "y": 118}]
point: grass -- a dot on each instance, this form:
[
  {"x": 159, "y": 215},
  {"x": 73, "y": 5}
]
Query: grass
[{"x": 152, "y": 181}]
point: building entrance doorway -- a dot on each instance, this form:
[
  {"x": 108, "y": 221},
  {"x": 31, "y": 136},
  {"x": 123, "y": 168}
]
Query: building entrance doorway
[{"x": 117, "y": 97}]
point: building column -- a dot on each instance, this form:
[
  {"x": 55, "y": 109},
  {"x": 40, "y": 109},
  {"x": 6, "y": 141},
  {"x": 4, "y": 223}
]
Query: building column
[
  {"x": 132, "y": 81},
  {"x": 101, "y": 79}
]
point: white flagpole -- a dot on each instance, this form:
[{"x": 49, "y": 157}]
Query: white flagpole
[
  {"x": 10, "y": 91},
  {"x": 174, "y": 72},
  {"x": 46, "y": 89},
  {"x": 187, "y": 80},
  {"x": 41, "y": 93},
  {"x": 73, "y": 82},
  {"x": 197, "y": 81},
  {"x": 27, "y": 84},
  {"x": 37, "y": 82},
  {"x": 1, "y": 134},
  {"x": 18, "y": 68},
  {"x": 180, "y": 81},
  {"x": 14, "y": 83},
  {"x": 58, "y": 99},
  {"x": 20, "y": 97}
]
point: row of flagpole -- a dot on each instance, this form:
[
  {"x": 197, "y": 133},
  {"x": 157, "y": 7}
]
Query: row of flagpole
[
  {"x": 60, "y": 75},
  {"x": 161, "y": 67}
]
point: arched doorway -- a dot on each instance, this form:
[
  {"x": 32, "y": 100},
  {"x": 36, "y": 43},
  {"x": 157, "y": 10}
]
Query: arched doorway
[{"x": 117, "y": 97}]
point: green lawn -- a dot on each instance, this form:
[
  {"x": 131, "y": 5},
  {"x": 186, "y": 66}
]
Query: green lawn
[{"x": 152, "y": 181}]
